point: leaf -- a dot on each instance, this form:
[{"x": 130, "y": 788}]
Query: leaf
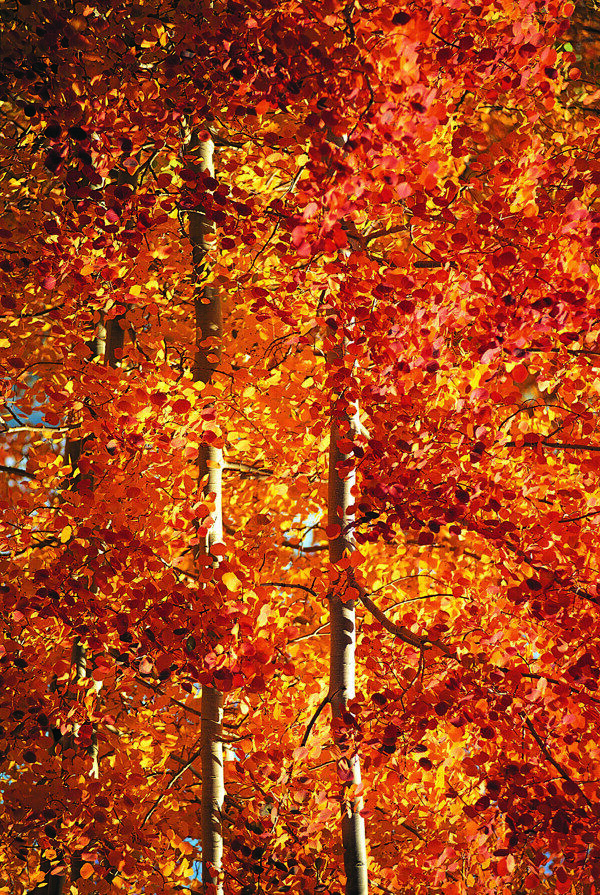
[
  {"x": 519, "y": 373},
  {"x": 231, "y": 581},
  {"x": 227, "y": 241}
]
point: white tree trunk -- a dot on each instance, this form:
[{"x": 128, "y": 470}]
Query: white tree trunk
[
  {"x": 342, "y": 646},
  {"x": 210, "y": 466}
]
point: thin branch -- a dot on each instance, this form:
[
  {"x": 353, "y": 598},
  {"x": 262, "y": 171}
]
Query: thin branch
[
  {"x": 14, "y": 470},
  {"x": 10, "y": 430},
  {"x": 172, "y": 699},
  {"x": 563, "y": 446},
  {"x": 171, "y": 783},
  {"x": 412, "y": 830},
  {"x": 186, "y": 708},
  {"x": 583, "y": 516},
  {"x": 406, "y": 826},
  {"x": 38, "y": 545},
  {"x": 247, "y": 468},
  {"x": 182, "y": 761},
  {"x": 314, "y": 633},
  {"x": 315, "y": 716},
  {"x": 308, "y": 590},
  {"x": 544, "y": 750},
  {"x": 532, "y": 675}
]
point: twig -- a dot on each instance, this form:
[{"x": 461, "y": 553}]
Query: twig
[{"x": 422, "y": 642}]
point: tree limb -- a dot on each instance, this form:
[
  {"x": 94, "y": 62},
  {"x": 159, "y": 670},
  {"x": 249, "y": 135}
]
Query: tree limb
[{"x": 398, "y": 630}]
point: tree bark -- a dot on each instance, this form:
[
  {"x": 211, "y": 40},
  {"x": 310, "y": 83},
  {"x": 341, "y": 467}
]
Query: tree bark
[
  {"x": 108, "y": 342},
  {"x": 343, "y": 638},
  {"x": 209, "y": 330}
]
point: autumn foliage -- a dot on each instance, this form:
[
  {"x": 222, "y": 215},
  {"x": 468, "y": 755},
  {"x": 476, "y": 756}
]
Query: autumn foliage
[{"x": 400, "y": 230}]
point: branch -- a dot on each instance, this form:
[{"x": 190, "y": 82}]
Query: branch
[
  {"x": 308, "y": 590},
  {"x": 406, "y": 826},
  {"x": 314, "y": 633},
  {"x": 10, "y": 430},
  {"x": 171, "y": 782},
  {"x": 583, "y": 516},
  {"x": 247, "y": 469},
  {"x": 39, "y": 545},
  {"x": 544, "y": 750},
  {"x": 534, "y": 676},
  {"x": 183, "y": 762},
  {"x": 398, "y": 630},
  {"x": 314, "y": 718},
  {"x": 14, "y": 470},
  {"x": 412, "y": 830},
  {"x": 563, "y": 446},
  {"x": 159, "y": 692},
  {"x": 420, "y": 641},
  {"x": 584, "y": 594}
]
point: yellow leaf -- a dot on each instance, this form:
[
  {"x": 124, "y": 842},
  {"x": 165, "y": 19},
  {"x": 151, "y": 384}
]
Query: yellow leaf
[
  {"x": 230, "y": 581},
  {"x": 66, "y": 534},
  {"x": 440, "y": 777}
]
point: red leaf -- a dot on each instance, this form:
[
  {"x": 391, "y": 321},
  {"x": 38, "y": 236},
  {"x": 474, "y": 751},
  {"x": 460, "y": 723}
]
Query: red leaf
[{"x": 520, "y": 373}]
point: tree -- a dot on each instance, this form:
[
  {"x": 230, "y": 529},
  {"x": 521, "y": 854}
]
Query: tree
[{"x": 404, "y": 216}]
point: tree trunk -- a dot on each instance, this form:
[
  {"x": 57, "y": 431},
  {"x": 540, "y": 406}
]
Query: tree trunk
[
  {"x": 213, "y": 786},
  {"x": 343, "y": 638},
  {"x": 209, "y": 332},
  {"x": 79, "y": 664},
  {"x": 108, "y": 342}
]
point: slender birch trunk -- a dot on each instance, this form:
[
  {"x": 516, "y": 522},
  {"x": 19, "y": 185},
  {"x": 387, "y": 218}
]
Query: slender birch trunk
[
  {"x": 80, "y": 666},
  {"x": 209, "y": 332},
  {"x": 343, "y": 638}
]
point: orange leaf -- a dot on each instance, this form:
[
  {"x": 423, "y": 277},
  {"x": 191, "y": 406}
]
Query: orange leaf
[{"x": 86, "y": 871}]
